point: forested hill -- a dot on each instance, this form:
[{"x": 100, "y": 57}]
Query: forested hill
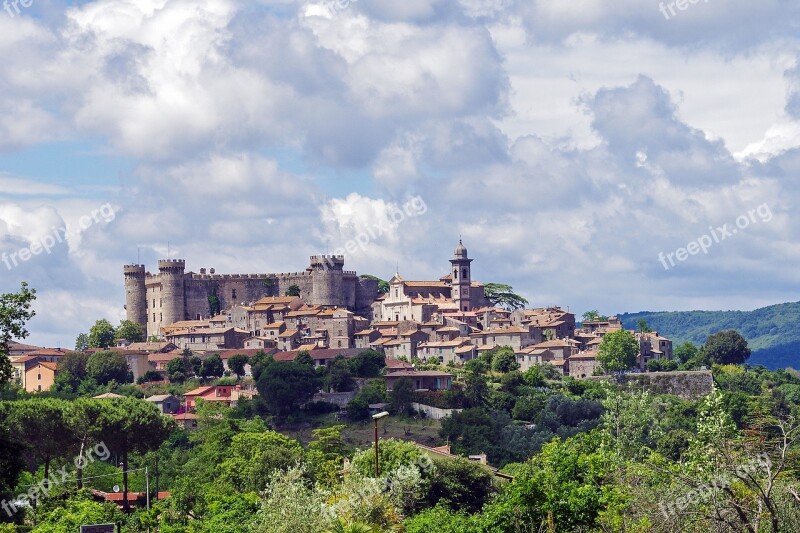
[{"x": 773, "y": 332}]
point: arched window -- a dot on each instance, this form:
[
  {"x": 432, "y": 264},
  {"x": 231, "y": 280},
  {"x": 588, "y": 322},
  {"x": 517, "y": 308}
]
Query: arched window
[{"x": 464, "y": 274}]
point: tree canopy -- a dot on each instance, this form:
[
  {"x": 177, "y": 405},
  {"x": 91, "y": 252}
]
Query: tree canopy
[
  {"x": 15, "y": 312},
  {"x": 618, "y": 351},
  {"x": 501, "y": 295},
  {"x": 727, "y": 348}
]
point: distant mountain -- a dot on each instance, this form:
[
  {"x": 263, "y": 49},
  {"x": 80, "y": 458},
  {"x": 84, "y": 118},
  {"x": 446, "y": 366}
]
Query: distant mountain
[{"x": 773, "y": 333}]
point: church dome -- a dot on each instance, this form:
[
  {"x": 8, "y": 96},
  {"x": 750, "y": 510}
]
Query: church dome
[{"x": 461, "y": 250}]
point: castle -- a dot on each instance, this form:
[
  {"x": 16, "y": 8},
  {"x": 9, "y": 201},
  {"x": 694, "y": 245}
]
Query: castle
[{"x": 157, "y": 300}]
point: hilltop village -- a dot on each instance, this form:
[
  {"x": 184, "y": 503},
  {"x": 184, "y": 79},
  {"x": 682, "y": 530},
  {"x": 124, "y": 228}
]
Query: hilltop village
[{"x": 328, "y": 311}]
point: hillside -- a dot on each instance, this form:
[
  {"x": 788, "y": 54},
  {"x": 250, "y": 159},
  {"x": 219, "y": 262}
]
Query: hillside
[{"x": 773, "y": 332}]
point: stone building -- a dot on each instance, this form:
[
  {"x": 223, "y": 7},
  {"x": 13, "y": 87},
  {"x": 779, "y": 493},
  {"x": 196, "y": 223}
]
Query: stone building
[
  {"x": 421, "y": 300},
  {"x": 172, "y": 295}
]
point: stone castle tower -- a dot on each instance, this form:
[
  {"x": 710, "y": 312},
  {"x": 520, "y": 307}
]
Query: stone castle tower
[
  {"x": 462, "y": 278},
  {"x": 155, "y": 301}
]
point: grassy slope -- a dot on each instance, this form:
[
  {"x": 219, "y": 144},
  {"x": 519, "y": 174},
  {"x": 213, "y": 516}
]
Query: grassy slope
[{"x": 773, "y": 332}]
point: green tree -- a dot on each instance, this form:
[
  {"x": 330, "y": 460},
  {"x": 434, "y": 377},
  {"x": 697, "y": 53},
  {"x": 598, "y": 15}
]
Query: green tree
[
  {"x": 237, "y": 362},
  {"x": 504, "y": 359},
  {"x": 383, "y": 285},
  {"x": 685, "y": 351},
  {"x": 176, "y": 370},
  {"x": 727, "y": 348},
  {"x": 212, "y": 367},
  {"x": 213, "y": 303},
  {"x": 131, "y": 331},
  {"x": 593, "y": 316},
  {"x": 284, "y": 386},
  {"x": 566, "y": 487},
  {"x": 642, "y": 326},
  {"x": 82, "y": 342},
  {"x": 128, "y": 425},
  {"x": 253, "y": 458},
  {"x": 498, "y": 294},
  {"x": 368, "y": 364},
  {"x": 402, "y": 395},
  {"x": 392, "y": 453},
  {"x": 107, "y": 366},
  {"x": 71, "y": 371},
  {"x": 101, "y": 335},
  {"x": 15, "y": 312},
  {"x": 476, "y": 366},
  {"x": 338, "y": 376},
  {"x": 41, "y": 423},
  {"x": 476, "y": 390},
  {"x": 79, "y": 509},
  {"x": 618, "y": 351},
  {"x": 293, "y": 290},
  {"x": 303, "y": 357},
  {"x": 460, "y": 484}
]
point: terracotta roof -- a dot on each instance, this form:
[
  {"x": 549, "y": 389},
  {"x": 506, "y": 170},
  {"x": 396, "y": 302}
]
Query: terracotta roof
[
  {"x": 185, "y": 416},
  {"x": 320, "y": 353},
  {"x": 288, "y": 333},
  {"x": 553, "y": 344},
  {"x": 107, "y": 395},
  {"x": 51, "y": 366},
  {"x": 249, "y": 352},
  {"x": 199, "y": 391},
  {"x": 396, "y": 363},
  {"x": 418, "y": 373}
]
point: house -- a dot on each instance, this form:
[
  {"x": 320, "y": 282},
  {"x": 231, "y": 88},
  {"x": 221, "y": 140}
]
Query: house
[
  {"x": 138, "y": 363},
  {"x": 159, "y": 360},
  {"x": 20, "y": 365},
  {"x": 211, "y": 393},
  {"x": 545, "y": 352},
  {"x": 207, "y": 339},
  {"x": 166, "y": 403},
  {"x": 421, "y": 380},
  {"x": 40, "y": 376},
  {"x": 152, "y": 347},
  {"x": 583, "y": 365},
  {"x": 457, "y": 351},
  {"x": 517, "y": 337},
  {"x": 186, "y": 420},
  {"x": 107, "y": 396},
  {"x": 652, "y": 346},
  {"x": 260, "y": 343},
  {"x": 365, "y": 338},
  {"x": 396, "y": 364},
  {"x": 288, "y": 340}
]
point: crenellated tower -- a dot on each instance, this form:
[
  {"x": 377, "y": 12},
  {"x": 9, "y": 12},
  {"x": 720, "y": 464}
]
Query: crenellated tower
[
  {"x": 136, "y": 294},
  {"x": 172, "y": 290},
  {"x": 327, "y": 272}
]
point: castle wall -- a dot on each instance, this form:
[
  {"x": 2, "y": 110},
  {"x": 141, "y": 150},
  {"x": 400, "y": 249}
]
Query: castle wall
[{"x": 172, "y": 295}]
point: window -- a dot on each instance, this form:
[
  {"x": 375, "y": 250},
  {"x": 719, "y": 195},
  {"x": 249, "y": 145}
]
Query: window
[
  {"x": 154, "y": 303},
  {"x": 39, "y": 377},
  {"x": 464, "y": 274},
  {"x": 455, "y": 273},
  {"x": 233, "y": 294},
  {"x": 154, "y": 317}
]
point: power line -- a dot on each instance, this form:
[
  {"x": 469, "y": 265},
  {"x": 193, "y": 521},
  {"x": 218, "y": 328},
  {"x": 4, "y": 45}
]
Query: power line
[{"x": 85, "y": 478}]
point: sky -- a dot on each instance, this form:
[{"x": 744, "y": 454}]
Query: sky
[{"x": 620, "y": 156}]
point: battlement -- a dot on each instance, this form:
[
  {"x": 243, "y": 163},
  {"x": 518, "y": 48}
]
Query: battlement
[
  {"x": 329, "y": 259},
  {"x": 134, "y": 270},
  {"x": 171, "y": 264}
]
